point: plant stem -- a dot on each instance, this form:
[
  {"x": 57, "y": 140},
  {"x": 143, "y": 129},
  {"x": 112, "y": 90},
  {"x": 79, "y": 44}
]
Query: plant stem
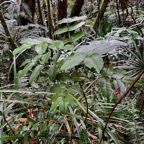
[{"x": 120, "y": 99}]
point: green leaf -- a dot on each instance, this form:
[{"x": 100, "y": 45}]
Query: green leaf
[
  {"x": 36, "y": 59},
  {"x": 11, "y": 138},
  {"x": 56, "y": 56},
  {"x": 27, "y": 68},
  {"x": 35, "y": 73},
  {"x": 56, "y": 99},
  {"x": 57, "y": 44},
  {"x": 1, "y": 113},
  {"x": 94, "y": 61},
  {"x": 76, "y": 36},
  {"x": 20, "y": 49},
  {"x": 30, "y": 41},
  {"x": 72, "y": 61},
  {"x": 63, "y": 104},
  {"x": 71, "y": 28},
  {"x": 52, "y": 72},
  {"x": 101, "y": 46},
  {"x": 113, "y": 137},
  {"x": 45, "y": 58},
  {"x": 26, "y": 62},
  {"x": 58, "y": 88},
  {"x": 62, "y": 101},
  {"x": 61, "y": 30},
  {"x": 70, "y": 20},
  {"x": 45, "y": 40},
  {"x": 78, "y": 76},
  {"x": 76, "y": 26},
  {"x": 41, "y": 48},
  {"x": 62, "y": 76},
  {"x": 74, "y": 89},
  {"x": 68, "y": 47}
]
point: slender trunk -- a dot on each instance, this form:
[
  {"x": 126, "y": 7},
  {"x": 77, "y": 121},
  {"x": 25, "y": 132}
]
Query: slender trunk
[
  {"x": 77, "y": 8},
  {"x": 100, "y": 14},
  {"x": 62, "y": 9},
  {"x": 31, "y": 6},
  {"x": 40, "y": 13},
  {"x": 49, "y": 19}
]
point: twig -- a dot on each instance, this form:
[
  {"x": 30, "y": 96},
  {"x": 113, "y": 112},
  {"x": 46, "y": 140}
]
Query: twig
[
  {"x": 87, "y": 113},
  {"x": 120, "y": 99}
]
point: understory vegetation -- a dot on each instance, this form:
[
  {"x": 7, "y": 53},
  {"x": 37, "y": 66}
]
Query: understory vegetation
[{"x": 71, "y": 72}]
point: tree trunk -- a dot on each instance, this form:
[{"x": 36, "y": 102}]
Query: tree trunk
[
  {"x": 7, "y": 32},
  {"x": 100, "y": 14},
  {"x": 77, "y": 8},
  {"x": 62, "y": 9},
  {"x": 31, "y": 5}
]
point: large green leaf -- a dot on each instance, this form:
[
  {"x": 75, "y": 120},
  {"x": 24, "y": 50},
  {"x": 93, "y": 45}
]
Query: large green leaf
[
  {"x": 58, "y": 88},
  {"x": 70, "y": 20},
  {"x": 52, "y": 72},
  {"x": 78, "y": 76},
  {"x": 31, "y": 41},
  {"x": 101, "y": 46},
  {"x": 46, "y": 40},
  {"x": 71, "y": 28},
  {"x": 94, "y": 61},
  {"x": 72, "y": 61},
  {"x": 61, "y": 30},
  {"x": 45, "y": 58},
  {"x": 36, "y": 59},
  {"x": 57, "y": 44},
  {"x": 76, "y": 36},
  {"x": 22, "y": 48},
  {"x": 35, "y": 73},
  {"x": 41, "y": 48},
  {"x": 76, "y": 26},
  {"x": 63, "y": 76},
  {"x": 27, "y": 68},
  {"x": 68, "y": 47},
  {"x": 56, "y": 99},
  {"x": 62, "y": 101}
]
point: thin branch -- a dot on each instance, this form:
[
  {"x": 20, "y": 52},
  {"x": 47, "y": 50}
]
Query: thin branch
[
  {"x": 87, "y": 113},
  {"x": 8, "y": 124},
  {"x": 120, "y": 99}
]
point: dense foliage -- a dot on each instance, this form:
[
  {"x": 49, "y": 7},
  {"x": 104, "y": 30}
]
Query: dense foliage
[{"x": 72, "y": 72}]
